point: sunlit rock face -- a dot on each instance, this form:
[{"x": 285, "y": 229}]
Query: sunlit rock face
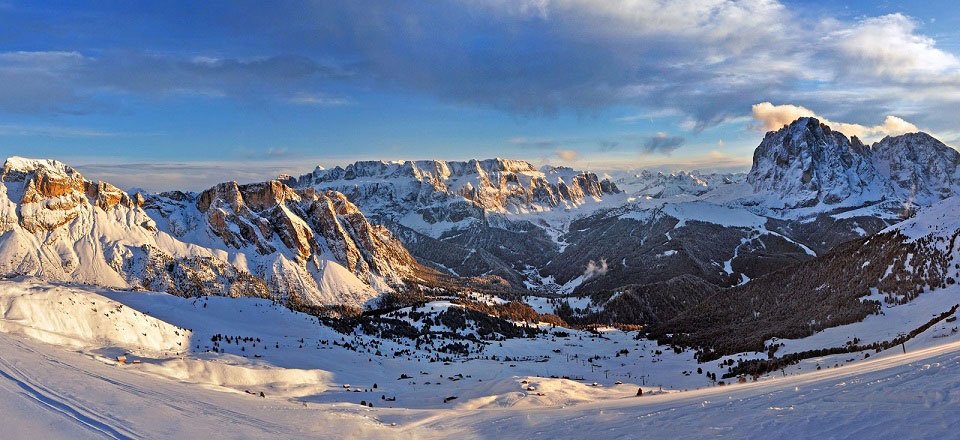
[
  {"x": 497, "y": 185},
  {"x": 307, "y": 247}
]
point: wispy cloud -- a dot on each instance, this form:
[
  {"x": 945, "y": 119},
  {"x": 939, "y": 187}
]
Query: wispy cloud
[
  {"x": 595, "y": 269},
  {"x": 188, "y": 176},
  {"x": 316, "y": 100},
  {"x": 648, "y": 115},
  {"x": 62, "y": 132},
  {"x": 566, "y": 155},
  {"x": 662, "y": 143},
  {"x": 74, "y": 82},
  {"x": 537, "y": 143}
]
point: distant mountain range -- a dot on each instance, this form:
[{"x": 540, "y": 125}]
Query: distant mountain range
[{"x": 650, "y": 248}]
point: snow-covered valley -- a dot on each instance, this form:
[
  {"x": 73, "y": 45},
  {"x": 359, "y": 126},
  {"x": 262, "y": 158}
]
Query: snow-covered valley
[{"x": 60, "y": 372}]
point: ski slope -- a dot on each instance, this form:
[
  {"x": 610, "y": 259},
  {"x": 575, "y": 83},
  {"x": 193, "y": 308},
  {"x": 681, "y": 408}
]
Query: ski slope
[
  {"x": 48, "y": 392},
  {"x": 912, "y": 395},
  {"x": 59, "y": 378},
  {"x": 54, "y": 393}
]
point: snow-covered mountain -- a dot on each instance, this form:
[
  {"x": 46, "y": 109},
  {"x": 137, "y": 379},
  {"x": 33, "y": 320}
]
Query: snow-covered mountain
[
  {"x": 315, "y": 246},
  {"x": 681, "y": 183},
  {"x": 722, "y": 280},
  {"x": 438, "y": 195},
  {"x": 303, "y": 247},
  {"x": 919, "y": 168},
  {"x": 346, "y": 236},
  {"x": 470, "y": 218},
  {"x": 808, "y": 165},
  {"x": 810, "y": 189}
]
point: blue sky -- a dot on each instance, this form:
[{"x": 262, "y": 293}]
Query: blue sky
[{"x": 183, "y": 94}]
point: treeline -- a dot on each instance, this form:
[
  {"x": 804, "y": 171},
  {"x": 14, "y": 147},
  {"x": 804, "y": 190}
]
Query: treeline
[
  {"x": 638, "y": 305},
  {"x": 755, "y": 367},
  {"x": 474, "y": 322},
  {"x": 514, "y": 311},
  {"x": 803, "y": 299}
]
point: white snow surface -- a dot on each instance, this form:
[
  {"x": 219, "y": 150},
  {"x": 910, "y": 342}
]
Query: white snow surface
[
  {"x": 59, "y": 378},
  {"x": 941, "y": 219},
  {"x": 713, "y": 213}
]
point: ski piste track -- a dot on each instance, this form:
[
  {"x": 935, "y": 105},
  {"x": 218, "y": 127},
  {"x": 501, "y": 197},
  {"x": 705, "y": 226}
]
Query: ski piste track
[
  {"x": 85, "y": 412},
  {"x": 747, "y": 410},
  {"x": 95, "y": 400}
]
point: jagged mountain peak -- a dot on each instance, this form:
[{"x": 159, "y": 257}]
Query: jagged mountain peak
[
  {"x": 917, "y": 143},
  {"x": 420, "y": 169},
  {"x": 919, "y": 136},
  {"x": 307, "y": 230},
  {"x": 258, "y": 196},
  {"x": 452, "y": 191},
  {"x": 50, "y": 193},
  {"x": 310, "y": 248},
  {"x": 664, "y": 185},
  {"x": 480, "y": 201},
  {"x": 28, "y": 165},
  {"x": 806, "y": 163},
  {"x": 919, "y": 168}
]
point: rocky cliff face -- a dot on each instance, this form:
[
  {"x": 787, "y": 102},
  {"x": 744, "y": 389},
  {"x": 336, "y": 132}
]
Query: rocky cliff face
[
  {"x": 918, "y": 167},
  {"x": 52, "y": 194},
  {"x": 59, "y": 226},
  {"x": 806, "y": 164},
  {"x": 456, "y": 216},
  {"x": 307, "y": 229},
  {"x": 311, "y": 247},
  {"x": 306, "y": 247},
  {"x": 441, "y": 191}
]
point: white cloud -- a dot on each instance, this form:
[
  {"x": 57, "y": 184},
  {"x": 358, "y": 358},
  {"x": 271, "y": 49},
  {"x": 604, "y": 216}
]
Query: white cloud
[
  {"x": 58, "y": 131},
  {"x": 773, "y": 117},
  {"x": 318, "y": 100},
  {"x": 888, "y": 46},
  {"x": 702, "y": 61},
  {"x": 706, "y": 58},
  {"x": 566, "y": 155},
  {"x": 721, "y": 21}
]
